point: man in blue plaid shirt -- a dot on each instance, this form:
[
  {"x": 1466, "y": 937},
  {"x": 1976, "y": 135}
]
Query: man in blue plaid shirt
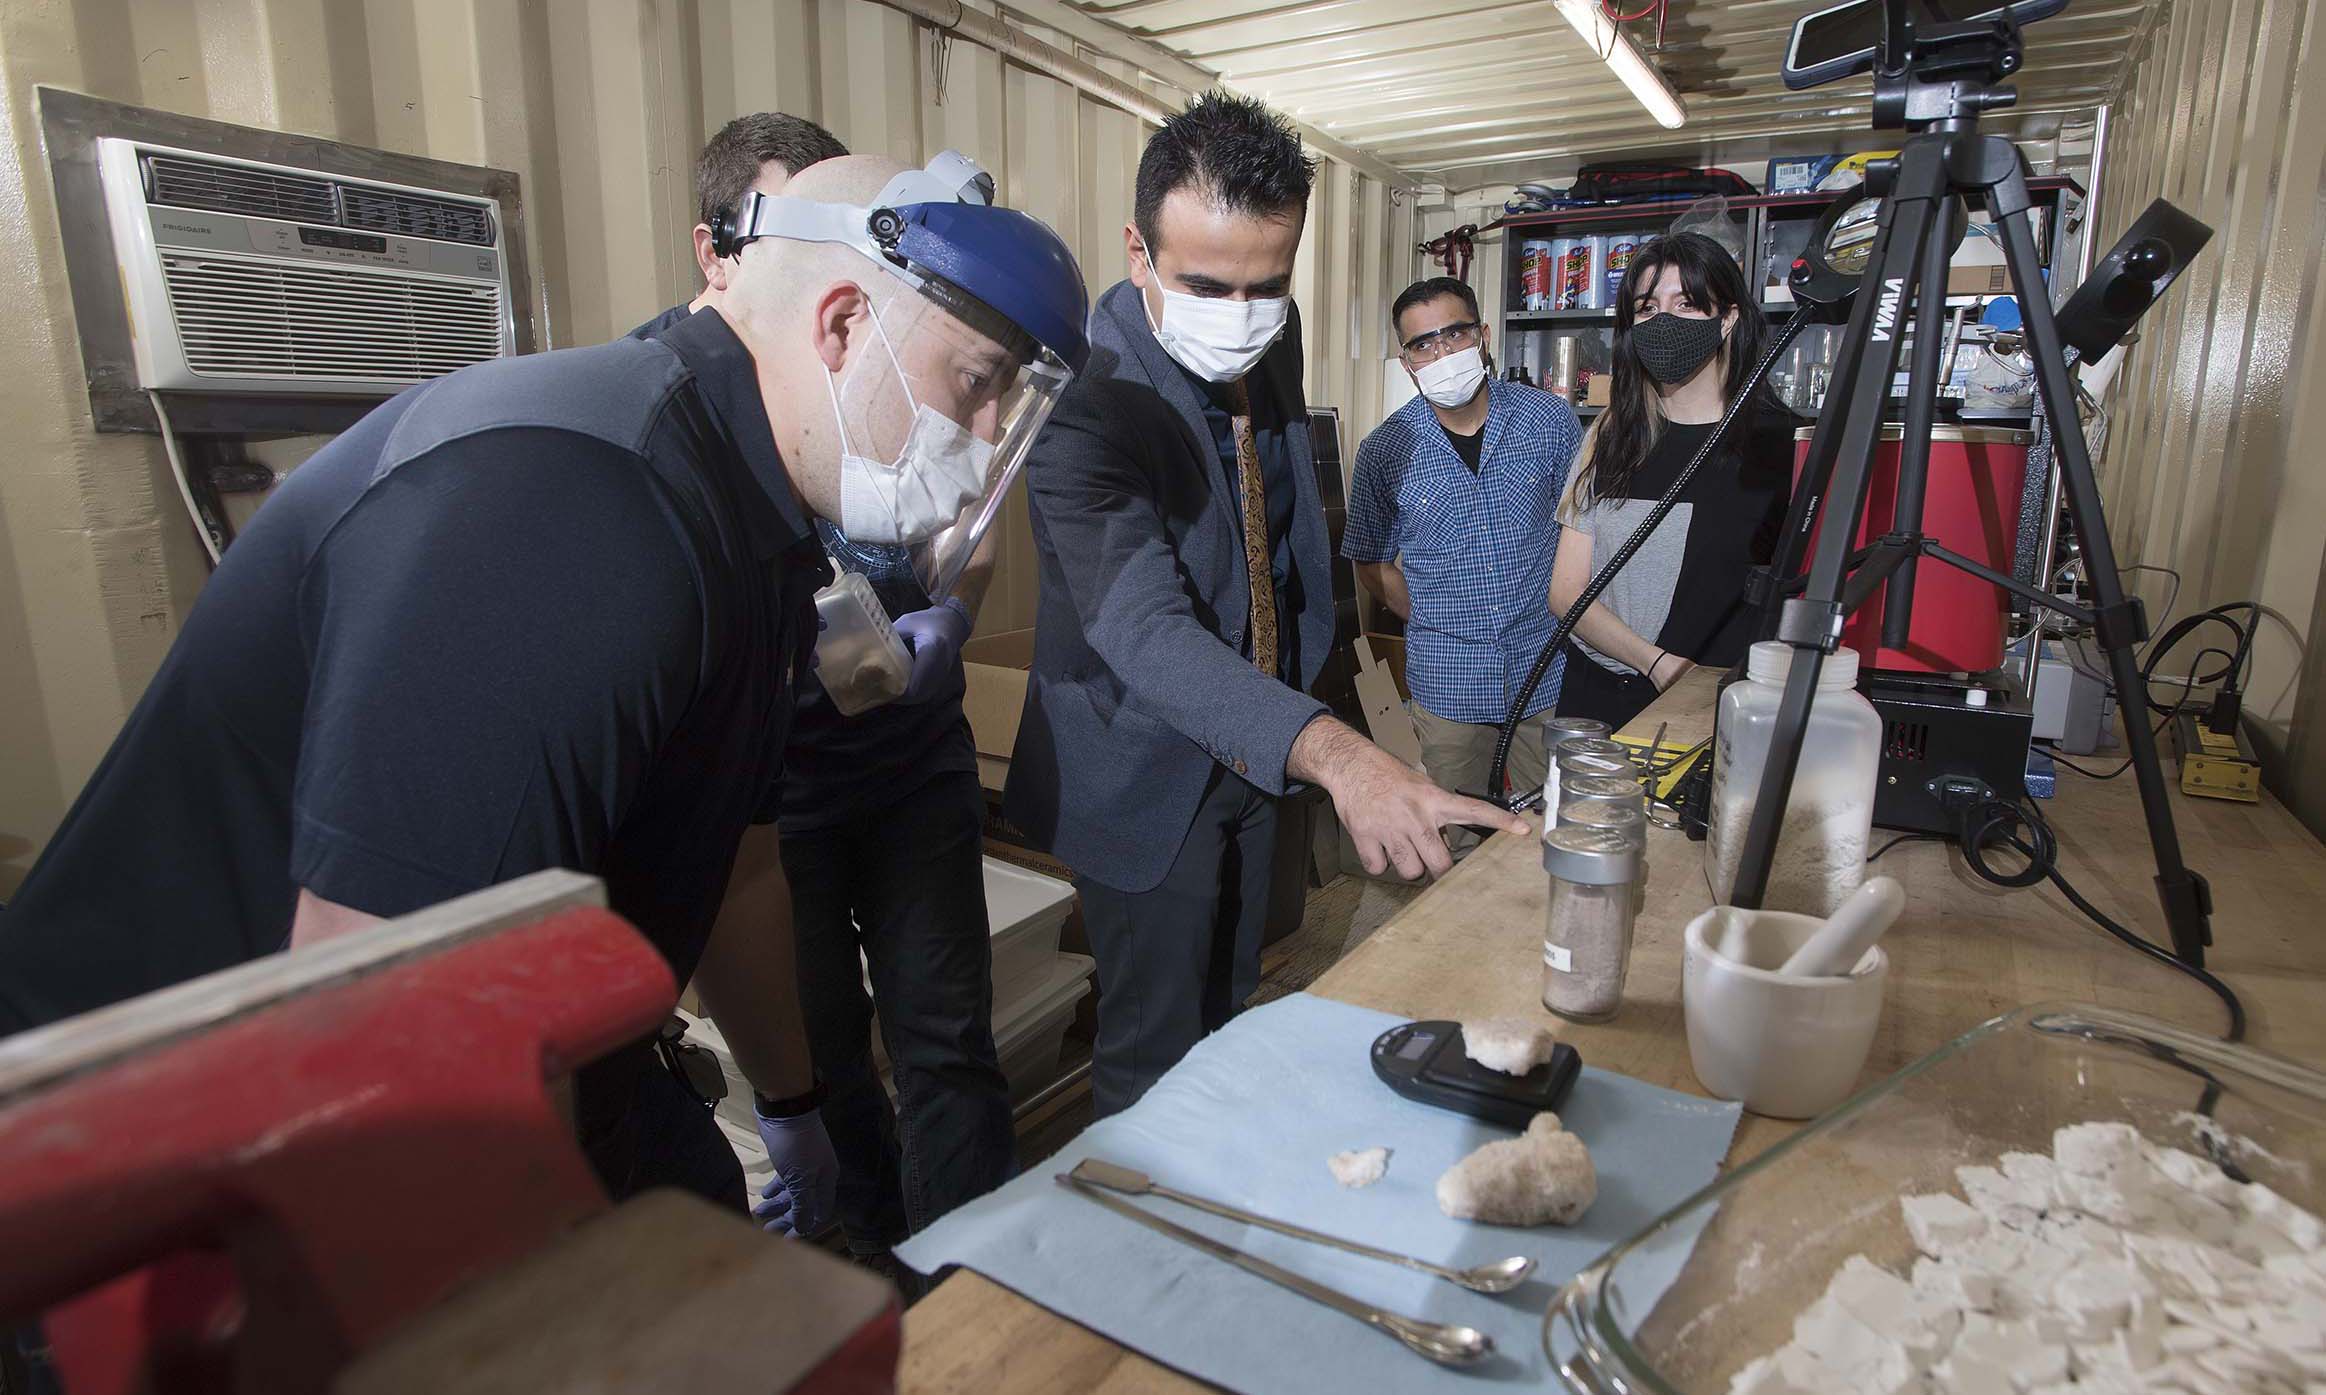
[{"x": 1452, "y": 524}]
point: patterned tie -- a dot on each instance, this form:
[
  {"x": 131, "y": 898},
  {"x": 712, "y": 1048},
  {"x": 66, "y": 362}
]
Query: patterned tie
[{"x": 1257, "y": 568}]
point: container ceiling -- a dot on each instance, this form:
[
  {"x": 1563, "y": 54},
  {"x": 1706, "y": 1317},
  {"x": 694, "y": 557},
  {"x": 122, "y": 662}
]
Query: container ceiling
[{"x": 1479, "y": 90}]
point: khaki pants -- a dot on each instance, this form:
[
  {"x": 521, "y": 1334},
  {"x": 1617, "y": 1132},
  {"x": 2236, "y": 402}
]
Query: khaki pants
[{"x": 1458, "y": 755}]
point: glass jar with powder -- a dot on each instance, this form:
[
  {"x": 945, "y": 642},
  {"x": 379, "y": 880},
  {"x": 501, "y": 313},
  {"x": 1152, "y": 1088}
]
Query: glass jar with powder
[{"x": 1587, "y": 938}]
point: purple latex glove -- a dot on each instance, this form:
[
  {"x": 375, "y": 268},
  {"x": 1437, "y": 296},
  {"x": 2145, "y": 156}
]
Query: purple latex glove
[
  {"x": 799, "y": 1198},
  {"x": 935, "y": 636}
]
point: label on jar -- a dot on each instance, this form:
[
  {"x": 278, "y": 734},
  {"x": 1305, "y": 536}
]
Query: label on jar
[{"x": 1557, "y": 957}]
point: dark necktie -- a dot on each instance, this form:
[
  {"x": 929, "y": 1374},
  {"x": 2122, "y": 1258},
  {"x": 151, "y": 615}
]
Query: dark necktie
[{"x": 1257, "y": 567}]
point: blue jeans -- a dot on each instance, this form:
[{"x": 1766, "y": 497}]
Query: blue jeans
[{"x": 905, "y": 886}]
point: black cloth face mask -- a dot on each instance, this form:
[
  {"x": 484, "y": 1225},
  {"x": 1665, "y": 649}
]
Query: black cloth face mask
[{"x": 1672, "y": 347}]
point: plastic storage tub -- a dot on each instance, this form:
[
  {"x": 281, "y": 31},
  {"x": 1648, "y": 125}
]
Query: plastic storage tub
[
  {"x": 1757, "y": 1247},
  {"x": 1030, "y": 1035},
  {"x": 1024, "y": 911}
]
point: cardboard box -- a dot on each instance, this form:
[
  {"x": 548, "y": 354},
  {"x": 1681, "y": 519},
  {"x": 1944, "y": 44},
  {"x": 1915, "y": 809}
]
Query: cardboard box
[
  {"x": 1382, "y": 696},
  {"x": 995, "y": 668},
  {"x": 1988, "y": 279},
  {"x": 1799, "y": 174},
  {"x": 1601, "y": 392}
]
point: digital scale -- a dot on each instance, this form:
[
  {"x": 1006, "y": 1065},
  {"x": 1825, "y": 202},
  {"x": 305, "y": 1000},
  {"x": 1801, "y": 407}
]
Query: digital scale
[{"x": 1427, "y": 1062}]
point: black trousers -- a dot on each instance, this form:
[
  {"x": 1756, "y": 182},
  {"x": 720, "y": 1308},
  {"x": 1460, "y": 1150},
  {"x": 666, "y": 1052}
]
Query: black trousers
[
  {"x": 640, "y": 1128},
  {"x": 1177, "y": 962},
  {"x": 905, "y": 888}
]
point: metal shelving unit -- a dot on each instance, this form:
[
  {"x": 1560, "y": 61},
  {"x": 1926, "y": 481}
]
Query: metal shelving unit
[{"x": 1773, "y": 226}]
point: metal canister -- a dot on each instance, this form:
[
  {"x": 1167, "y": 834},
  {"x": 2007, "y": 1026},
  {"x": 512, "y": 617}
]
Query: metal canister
[
  {"x": 1557, "y": 731},
  {"x": 1614, "y": 815},
  {"x": 1591, "y": 755},
  {"x": 1624, "y": 789},
  {"x": 1561, "y": 379}
]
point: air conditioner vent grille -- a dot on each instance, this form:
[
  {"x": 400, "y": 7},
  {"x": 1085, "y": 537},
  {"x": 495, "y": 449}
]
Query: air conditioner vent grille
[
  {"x": 223, "y": 188},
  {"x": 245, "y": 319},
  {"x": 413, "y": 215}
]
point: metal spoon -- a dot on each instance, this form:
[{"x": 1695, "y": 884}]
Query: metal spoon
[
  {"x": 1497, "y": 1276},
  {"x": 1445, "y": 1343}
]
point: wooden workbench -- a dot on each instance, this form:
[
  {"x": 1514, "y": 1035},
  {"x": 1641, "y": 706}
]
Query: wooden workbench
[{"x": 1964, "y": 951}]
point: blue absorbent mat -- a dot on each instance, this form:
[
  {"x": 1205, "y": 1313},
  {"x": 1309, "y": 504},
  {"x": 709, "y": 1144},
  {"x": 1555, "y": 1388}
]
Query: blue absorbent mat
[{"x": 1249, "y": 1119}]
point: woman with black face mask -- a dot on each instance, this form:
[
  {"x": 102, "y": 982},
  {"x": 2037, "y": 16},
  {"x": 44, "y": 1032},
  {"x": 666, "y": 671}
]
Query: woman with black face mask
[{"x": 1687, "y": 334}]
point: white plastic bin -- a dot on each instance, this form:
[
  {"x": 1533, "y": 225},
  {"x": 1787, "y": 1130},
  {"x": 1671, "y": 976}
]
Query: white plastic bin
[
  {"x": 1031, "y": 1034},
  {"x": 1024, "y": 912}
]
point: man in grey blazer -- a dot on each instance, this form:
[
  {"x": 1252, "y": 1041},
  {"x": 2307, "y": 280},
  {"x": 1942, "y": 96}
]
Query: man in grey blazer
[{"x": 1187, "y": 605}]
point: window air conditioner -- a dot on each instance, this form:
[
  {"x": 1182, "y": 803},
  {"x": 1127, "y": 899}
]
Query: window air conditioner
[{"x": 250, "y": 278}]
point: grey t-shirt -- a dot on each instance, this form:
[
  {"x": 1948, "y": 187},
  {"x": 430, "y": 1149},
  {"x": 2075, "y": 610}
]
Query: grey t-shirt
[{"x": 1683, "y": 591}]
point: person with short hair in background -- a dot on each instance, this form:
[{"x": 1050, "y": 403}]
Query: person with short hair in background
[
  {"x": 1452, "y": 507},
  {"x": 755, "y": 153}
]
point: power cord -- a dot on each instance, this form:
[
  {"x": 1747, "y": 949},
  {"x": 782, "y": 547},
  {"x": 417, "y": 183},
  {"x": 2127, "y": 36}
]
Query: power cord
[
  {"x": 1982, "y": 821},
  {"x": 1906, "y": 838},
  {"x": 2188, "y": 687}
]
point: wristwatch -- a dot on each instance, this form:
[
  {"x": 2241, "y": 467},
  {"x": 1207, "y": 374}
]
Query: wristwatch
[{"x": 790, "y": 1108}]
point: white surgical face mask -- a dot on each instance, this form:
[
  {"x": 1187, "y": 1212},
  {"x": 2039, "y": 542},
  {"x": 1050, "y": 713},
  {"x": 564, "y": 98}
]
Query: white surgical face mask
[
  {"x": 1214, "y": 338},
  {"x": 1453, "y": 380},
  {"x": 940, "y": 471}
]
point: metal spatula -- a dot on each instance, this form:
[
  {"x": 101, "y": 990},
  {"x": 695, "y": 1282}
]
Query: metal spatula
[
  {"x": 1497, "y": 1276},
  {"x": 1445, "y": 1343}
]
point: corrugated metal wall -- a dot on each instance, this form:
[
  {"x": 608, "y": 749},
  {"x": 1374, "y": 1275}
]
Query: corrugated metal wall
[
  {"x": 599, "y": 106},
  {"x": 2212, "y": 464}
]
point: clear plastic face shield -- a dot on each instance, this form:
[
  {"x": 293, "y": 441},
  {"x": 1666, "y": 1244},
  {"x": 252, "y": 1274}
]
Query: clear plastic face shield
[
  {"x": 936, "y": 419},
  {"x": 937, "y": 415}
]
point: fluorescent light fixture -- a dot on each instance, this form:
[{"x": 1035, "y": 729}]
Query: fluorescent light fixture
[{"x": 1616, "y": 49}]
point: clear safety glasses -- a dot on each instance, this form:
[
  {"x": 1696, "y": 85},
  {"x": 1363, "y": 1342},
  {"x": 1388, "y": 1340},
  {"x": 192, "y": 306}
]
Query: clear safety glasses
[{"x": 1430, "y": 347}]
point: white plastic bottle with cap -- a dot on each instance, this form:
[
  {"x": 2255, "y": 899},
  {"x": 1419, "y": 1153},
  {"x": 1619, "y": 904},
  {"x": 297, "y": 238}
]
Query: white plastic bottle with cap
[{"x": 1821, "y": 845}]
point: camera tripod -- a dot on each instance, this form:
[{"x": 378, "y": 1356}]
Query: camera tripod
[{"x": 1937, "y": 87}]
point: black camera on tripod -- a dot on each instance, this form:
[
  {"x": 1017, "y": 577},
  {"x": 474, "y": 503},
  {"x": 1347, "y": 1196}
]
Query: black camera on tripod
[
  {"x": 1938, "y": 66},
  {"x": 1891, "y": 38}
]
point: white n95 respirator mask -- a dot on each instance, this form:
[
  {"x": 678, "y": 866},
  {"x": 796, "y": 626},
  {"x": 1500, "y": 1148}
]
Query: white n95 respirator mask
[
  {"x": 940, "y": 471},
  {"x": 1217, "y": 339},
  {"x": 1453, "y": 380}
]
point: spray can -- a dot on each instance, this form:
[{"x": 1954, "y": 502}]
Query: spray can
[
  {"x": 1594, "y": 295},
  {"x": 1534, "y": 274},
  {"x": 1571, "y": 278},
  {"x": 1620, "y": 246}
]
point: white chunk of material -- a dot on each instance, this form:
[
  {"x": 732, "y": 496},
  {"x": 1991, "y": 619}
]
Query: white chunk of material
[
  {"x": 2111, "y": 1265},
  {"x": 1359, "y": 1167},
  {"x": 1512, "y": 1045},
  {"x": 1543, "y": 1175}
]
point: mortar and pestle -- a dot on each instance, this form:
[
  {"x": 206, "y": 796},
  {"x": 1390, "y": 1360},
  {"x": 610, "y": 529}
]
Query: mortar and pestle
[{"x": 1781, "y": 1008}]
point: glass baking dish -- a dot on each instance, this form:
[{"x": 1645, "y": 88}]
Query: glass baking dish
[{"x": 1717, "y": 1281}]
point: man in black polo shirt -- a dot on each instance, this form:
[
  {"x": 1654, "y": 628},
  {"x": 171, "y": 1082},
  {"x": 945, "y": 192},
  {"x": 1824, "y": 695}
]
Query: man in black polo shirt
[
  {"x": 882, "y": 820},
  {"x": 549, "y": 612}
]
